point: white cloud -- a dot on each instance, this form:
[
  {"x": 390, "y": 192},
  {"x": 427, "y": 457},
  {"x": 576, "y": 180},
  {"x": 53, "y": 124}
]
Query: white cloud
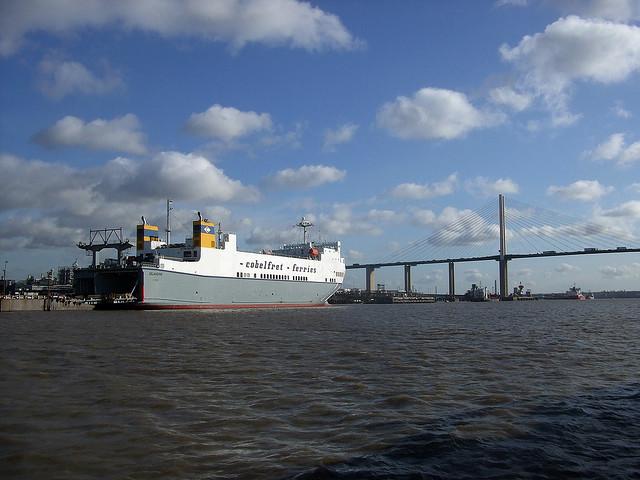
[
  {"x": 422, "y": 191},
  {"x": 635, "y": 187},
  {"x": 291, "y": 138},
  {"x": 508, "y": 97},
  {"x": 61, "y": 78},
  {"x": 617, "y": 10},
  {"x": 473, "y": 275},
  {"x": 429, "y": 218},
  {"x": 583, "y": 190},
  {"x": 355, "y": 255},
  {"x": 36, "y": 184},
  {"x": 566, "y": 268},
  {"x": 122, "y": 134},
  {"x": 483, "y": 187},
  {"x": 615, "y": 149},
  {"x": 609, "y": 149},
  {"x": 181, "y": 176},
  {"x": 629, "y": 209},
  {"x": 511, "y": 3},
  {"x": 342, "y": 221},
  {"x": 342, "y": 134},
  {"x": 619, "y": 111},
  {"x": 307, "y": 176},
  {"x": 524, "y": 273},
  {"x": 574, "y": 49},
  {"x": 433, "y": 113},
  {"x": 456, "y": 227},
  {"x": 18, "y": 232},
  {"x": 387, "y": 216},
  {"x": 431, "y": 278},
  {"x": 32, "y": 184},
  {"x": 624, "y": 271},
  {"x": 68, "y": 200},
  {"x": 227, "y": 123},
  {"x": 272, "y": 22},
  {"x": 271, "y": 237}
]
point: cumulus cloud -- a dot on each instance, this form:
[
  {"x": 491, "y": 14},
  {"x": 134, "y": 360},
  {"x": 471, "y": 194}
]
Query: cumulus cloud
[
  {"x": 70, "y": 198},
  {"x": 433, "y": 114},
  {"x": 484, "y": 187},
  {"x": 473, "y": 275},
  {"x": 432, "y": 278},
  {"x": 609, "y": 149},
  {"x": 35, "y": 184},
  {"x": 619, "y": 111},
  {"x": 616, "y": 150},
  {"x": 18, "y": 232},
  {"x": 52, "y": 204},
  {"x": 574, "y": 49},
  {"x": 272, "y": 22},
  {"x": 227, "y": 123},
  {"x": 122, "y": 134},
  {"x": 342, "y": 221},
  {"x": 422, "y": 191},
  {"x": 307, "y": 176},
  {"x": 628, "y": 210},
  {"x": 342, "y": 134},
  {"x": 635, "y": 187},
  {"x": 58, "y": 78},
  {"x": 271, "y": 237},
  {"x": 280, "y": 137},
  {"x": 508, "y": 97},
  {"x": 566, "y": 268},
  {"x": 511, "y": 3},
  {"x": 177, "y": 175},
  {"x": 583, "y": 190},
  {"x": 617, "y": 10},
  {"x": 625, "y": 271},
  {"x": 456, "y": 227}
]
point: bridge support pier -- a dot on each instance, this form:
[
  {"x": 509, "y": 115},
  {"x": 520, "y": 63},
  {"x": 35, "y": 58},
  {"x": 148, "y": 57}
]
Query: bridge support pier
[
  {"x": 370, "y": 278},
  {"x": 452, "y": 281},
  {"x": 407, "y": 278}
]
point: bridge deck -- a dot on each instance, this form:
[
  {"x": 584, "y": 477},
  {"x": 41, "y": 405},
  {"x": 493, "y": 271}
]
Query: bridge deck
[{"x": 511, "y": 256}]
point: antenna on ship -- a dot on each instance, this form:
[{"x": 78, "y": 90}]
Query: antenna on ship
[
  {"x": 304, "y": 224},
  {"x": 169, "y": 208}
]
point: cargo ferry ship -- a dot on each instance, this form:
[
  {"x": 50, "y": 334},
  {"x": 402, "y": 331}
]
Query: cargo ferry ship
[{"x": 208, "y": 271}]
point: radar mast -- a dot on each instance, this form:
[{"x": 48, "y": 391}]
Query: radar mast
[{"x": 304, "y": 224}]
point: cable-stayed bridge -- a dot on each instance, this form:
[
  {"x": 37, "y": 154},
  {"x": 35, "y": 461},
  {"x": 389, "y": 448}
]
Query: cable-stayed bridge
[{"x": 503, "y": 233}]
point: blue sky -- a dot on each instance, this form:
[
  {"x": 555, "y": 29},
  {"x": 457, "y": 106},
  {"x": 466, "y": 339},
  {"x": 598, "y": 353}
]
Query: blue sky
[{"x": 381, "y": 121}]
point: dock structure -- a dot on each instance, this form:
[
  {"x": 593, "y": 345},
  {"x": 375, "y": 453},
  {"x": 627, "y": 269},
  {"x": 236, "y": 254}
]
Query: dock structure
[{"x": 105, "y": 238}]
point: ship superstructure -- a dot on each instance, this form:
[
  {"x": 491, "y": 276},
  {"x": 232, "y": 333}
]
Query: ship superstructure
[{"x": 208, "y": 271}]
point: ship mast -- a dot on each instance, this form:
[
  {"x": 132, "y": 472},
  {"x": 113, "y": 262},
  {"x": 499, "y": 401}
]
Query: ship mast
[
  {"x": 169, "y": 208},
  {"x": 304, "y": 224}
]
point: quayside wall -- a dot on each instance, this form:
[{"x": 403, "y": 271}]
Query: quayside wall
[{"x": 40, "y": 304}]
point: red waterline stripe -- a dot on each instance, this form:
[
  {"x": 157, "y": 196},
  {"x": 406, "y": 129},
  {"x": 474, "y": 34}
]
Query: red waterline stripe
[{"x": 148, "y": 306}]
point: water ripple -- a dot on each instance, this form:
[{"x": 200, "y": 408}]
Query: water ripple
[{"x": 522, "y": 390}]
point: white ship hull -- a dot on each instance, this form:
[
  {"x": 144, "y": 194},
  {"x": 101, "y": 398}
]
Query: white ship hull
[{"x": 223, "y": 278}]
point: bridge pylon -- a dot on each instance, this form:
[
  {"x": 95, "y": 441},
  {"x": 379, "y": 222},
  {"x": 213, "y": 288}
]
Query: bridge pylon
[
  {"x": 504, "y": 278},
  {"x": 407, "y": 278},
  {"x": 370, "y": 278}
]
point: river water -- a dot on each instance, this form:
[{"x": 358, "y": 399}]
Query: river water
[{"x": 547, "y": 389}]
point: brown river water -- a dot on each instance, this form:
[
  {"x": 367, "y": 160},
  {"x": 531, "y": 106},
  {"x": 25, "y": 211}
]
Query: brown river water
[{"x": 547, "y": 389}]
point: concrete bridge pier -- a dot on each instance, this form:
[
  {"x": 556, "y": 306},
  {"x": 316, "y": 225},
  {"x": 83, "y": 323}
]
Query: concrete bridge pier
[
  {"x": 370, "y": 278},
  {"x": 407, "y": 278},
  {"x": 452, "y": 281}
]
